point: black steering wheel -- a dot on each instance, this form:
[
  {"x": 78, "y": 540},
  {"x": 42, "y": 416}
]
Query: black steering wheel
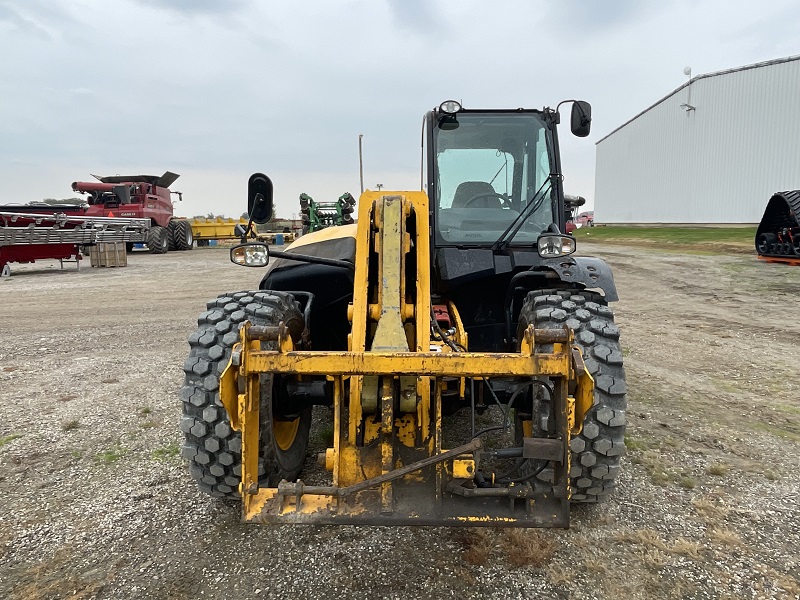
[{"x": 502, "y": 197}]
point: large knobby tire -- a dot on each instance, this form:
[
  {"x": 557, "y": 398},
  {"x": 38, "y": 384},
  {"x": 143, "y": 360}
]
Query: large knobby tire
[
  {"x": 171, "y": 234},
  {"x": 597, "y": 450},
  {"x": 158, "y": 240},
  {"x": 211, "y": 446},
  {"x": 182, "y": 234}
]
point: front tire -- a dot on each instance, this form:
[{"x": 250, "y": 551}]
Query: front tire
[
  {"x": 211, "y": 446},
  {"x": 596, "y": 451}
]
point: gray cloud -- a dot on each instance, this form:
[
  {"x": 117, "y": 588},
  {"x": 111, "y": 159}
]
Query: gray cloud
[
  {"x": 585, "y": 17},
  {"x": 192, "y": 7},
  {"x": 416, "y": 16},
  {"x": 11, "y": 15},
  {"x": 222, "y": 89}
]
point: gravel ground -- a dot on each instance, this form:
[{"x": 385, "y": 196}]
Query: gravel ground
[{"x": 96, "y": 502}]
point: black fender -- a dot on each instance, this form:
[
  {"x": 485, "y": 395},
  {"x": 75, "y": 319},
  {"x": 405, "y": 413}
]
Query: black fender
[{"x": 588, "y": 271}]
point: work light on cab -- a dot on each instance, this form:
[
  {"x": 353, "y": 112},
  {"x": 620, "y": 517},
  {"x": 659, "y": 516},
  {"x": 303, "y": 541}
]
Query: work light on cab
[
  {"x": 449, "y": 107},
  {"x": 552, "y": 245},
  {"x": 250, "y": 255}
]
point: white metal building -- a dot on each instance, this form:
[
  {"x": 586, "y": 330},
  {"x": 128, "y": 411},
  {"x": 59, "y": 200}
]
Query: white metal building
[{"x": 712, "y": 151}]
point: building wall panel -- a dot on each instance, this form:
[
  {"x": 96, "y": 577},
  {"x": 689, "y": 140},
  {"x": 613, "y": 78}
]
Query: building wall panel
[{"x": 718, "y": 163}]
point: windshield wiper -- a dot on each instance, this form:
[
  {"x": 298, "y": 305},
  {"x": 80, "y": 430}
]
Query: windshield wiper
[{"x": 533, "y": 205}]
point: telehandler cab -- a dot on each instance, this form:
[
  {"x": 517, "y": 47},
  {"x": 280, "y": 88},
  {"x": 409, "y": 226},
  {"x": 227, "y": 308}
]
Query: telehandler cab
[{"x": 435, "y": 311}]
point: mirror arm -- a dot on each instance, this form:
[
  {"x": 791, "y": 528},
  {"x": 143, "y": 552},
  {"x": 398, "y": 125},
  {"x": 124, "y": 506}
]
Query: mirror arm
[
  {"x": 250, "y": 230},
  {"x": 318, "y": 260}
]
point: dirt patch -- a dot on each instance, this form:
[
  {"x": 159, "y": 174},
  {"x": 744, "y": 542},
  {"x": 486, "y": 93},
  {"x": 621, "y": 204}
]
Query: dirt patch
[{"x": 97, "y": 503}]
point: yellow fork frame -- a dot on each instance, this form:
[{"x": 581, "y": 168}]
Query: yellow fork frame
[{"x": 388, "y": 465}]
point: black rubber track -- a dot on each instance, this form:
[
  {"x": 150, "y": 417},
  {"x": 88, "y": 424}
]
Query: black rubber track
[
  {"x": 597, "y": 450},
  {"x": 212, "y": 448}
]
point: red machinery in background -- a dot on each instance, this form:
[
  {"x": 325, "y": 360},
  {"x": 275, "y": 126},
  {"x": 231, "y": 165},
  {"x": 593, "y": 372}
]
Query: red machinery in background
[
  {"x": 27, "y": 235},
  {"x": 120, "y": 208},
  {"x": 140, "y": 197}
]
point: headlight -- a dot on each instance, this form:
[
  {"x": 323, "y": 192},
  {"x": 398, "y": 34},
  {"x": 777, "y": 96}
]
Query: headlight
[
  {"x": 449, "y": 107},
  {"x": 250, "y": 255},
  {"x": 551, "y": 245}
]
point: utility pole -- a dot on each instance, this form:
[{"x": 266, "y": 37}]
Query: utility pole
[{"x": 360, "y": 163}]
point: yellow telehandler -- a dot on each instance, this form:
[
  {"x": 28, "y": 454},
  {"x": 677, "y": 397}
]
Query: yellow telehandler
[{"x": 470, "y": 361}]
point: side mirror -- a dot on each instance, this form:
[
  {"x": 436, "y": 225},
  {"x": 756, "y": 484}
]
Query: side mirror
[
  {"x": 581, "y": 121},
  {"x": 259, "y": 198}
]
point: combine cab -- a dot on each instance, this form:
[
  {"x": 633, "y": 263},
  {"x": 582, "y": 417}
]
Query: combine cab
[{"x": 778, "y": 234}]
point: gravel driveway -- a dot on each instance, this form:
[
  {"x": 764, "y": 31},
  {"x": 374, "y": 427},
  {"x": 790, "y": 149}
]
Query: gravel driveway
[{"x": 97, "y": 503}]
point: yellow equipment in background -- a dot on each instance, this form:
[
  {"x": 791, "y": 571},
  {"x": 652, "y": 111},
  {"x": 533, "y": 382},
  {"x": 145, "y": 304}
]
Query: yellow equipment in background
[
  {"x": 218, "y": 228},
  {"x": 221, "y": 228}
]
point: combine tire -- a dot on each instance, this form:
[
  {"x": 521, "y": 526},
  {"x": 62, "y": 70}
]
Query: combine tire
[
  {"x": 171, "y": 235},
  {"x": 158, "y": 240},
  {"x": 597, "y": 450},
  {"x": 211, "y": 446},
  {"x": 182, "y": 237}
]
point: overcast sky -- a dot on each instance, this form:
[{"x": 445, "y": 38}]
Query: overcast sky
[{"x": 215, "y": 90}]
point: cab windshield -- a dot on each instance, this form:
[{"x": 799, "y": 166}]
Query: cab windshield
[{"x": 490, "y": 167}]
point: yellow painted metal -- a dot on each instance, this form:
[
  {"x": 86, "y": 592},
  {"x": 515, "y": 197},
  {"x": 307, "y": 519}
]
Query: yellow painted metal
[
  {"x": 389, "y": 333},
  {"x": 218, "y": 228},
  {"x": 584, "y": 392},
  {"x": 221, "y": 228},
  {"x": 461, "y": 337},
  {"x": 406, "y": 429},
  {"x": 387, "y": 441},
  {"x": 330, "y": 457},
  {"x": 284, "y": 432},
  {"x": 390, "y": 213},
  {"x": 429, "y": 364},
  {"x": 527, "y": 429},
  {"x": 329, "y": 233},
  {"x": 249, "y": 423},
  {"x": 338, "y": 394},
  {"x": 463, "y": 468},
  {"x": 229, "y": 391}
]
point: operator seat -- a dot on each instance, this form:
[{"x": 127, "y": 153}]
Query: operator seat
[{"x": 470, "y": 189}]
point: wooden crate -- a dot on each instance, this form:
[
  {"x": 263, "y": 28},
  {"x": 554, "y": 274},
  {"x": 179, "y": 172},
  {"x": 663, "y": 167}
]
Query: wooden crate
[{"x": 108, "y": 254}]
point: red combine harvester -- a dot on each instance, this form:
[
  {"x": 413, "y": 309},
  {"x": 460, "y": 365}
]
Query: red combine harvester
[{"x": 140, "y": 197}]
